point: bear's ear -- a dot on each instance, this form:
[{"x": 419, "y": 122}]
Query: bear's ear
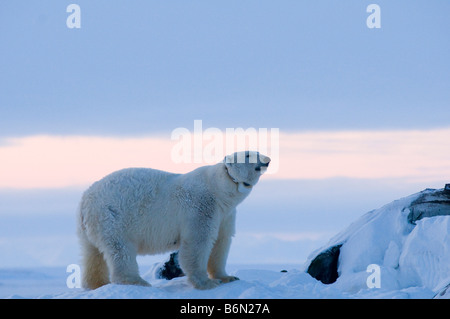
[{"x": 228, "y": 160}]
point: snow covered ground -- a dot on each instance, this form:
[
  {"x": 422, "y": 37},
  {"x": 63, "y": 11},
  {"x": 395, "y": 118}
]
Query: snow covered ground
[
  {"x": 50, "y": 282},
  {"x": 382, "y": 255}
]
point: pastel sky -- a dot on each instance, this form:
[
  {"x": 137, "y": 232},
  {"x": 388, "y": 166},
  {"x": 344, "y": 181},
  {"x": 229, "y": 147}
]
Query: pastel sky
[
  {"x": 348, "y": 101},
  {"x": 63, "y": 161}
]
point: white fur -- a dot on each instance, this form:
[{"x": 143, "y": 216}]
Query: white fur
[{"x": 146, "y": 211}]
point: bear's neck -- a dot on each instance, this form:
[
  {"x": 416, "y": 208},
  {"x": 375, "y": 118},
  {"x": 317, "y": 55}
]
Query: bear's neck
[{"x": 239, "y": 191}]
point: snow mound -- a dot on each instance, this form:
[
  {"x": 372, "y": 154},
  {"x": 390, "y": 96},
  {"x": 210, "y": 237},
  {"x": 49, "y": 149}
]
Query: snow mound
[{"x": 407, "y": 240}]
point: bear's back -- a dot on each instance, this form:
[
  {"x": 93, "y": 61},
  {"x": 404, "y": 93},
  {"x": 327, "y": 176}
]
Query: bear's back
[{"x": 128, "y": 188}]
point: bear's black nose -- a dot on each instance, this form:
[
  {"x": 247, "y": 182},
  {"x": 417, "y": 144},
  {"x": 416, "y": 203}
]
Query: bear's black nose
[
  {"x": 260, "y": 164},
  {"x": 258, "y": 168}
]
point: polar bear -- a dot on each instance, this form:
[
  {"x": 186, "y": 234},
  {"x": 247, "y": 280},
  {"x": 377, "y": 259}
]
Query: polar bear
[{"x": 146, "y": 211}]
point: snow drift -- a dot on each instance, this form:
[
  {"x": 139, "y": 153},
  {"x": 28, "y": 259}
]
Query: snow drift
[{"x": 409, "y": 239}]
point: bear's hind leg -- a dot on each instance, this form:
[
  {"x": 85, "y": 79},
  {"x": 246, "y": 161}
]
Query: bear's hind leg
[{"x": 95, "y": 271}]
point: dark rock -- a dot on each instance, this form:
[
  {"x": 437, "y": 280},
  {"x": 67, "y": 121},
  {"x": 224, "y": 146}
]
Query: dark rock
[
  {"x": 324, "y": 266},
  {"x": 447, "y": 188},
  {"x": 430, "y": 203},
  {"x": 171, "y": 268}
]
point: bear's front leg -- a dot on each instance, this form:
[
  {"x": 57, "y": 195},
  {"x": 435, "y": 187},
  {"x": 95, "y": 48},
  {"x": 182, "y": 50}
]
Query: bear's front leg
[
  {"x": 219, "y": 254},
  {"x": 121, "y": 259},
  {"x": 217, "y": 260},
  {"x": 193, "y": 257}
]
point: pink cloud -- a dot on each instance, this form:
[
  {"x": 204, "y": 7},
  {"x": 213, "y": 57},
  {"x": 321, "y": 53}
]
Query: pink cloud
[{"x": 61, "y": 161}]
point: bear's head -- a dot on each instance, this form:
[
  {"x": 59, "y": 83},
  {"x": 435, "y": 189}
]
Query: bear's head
[{"x": 245, "y": 168}]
